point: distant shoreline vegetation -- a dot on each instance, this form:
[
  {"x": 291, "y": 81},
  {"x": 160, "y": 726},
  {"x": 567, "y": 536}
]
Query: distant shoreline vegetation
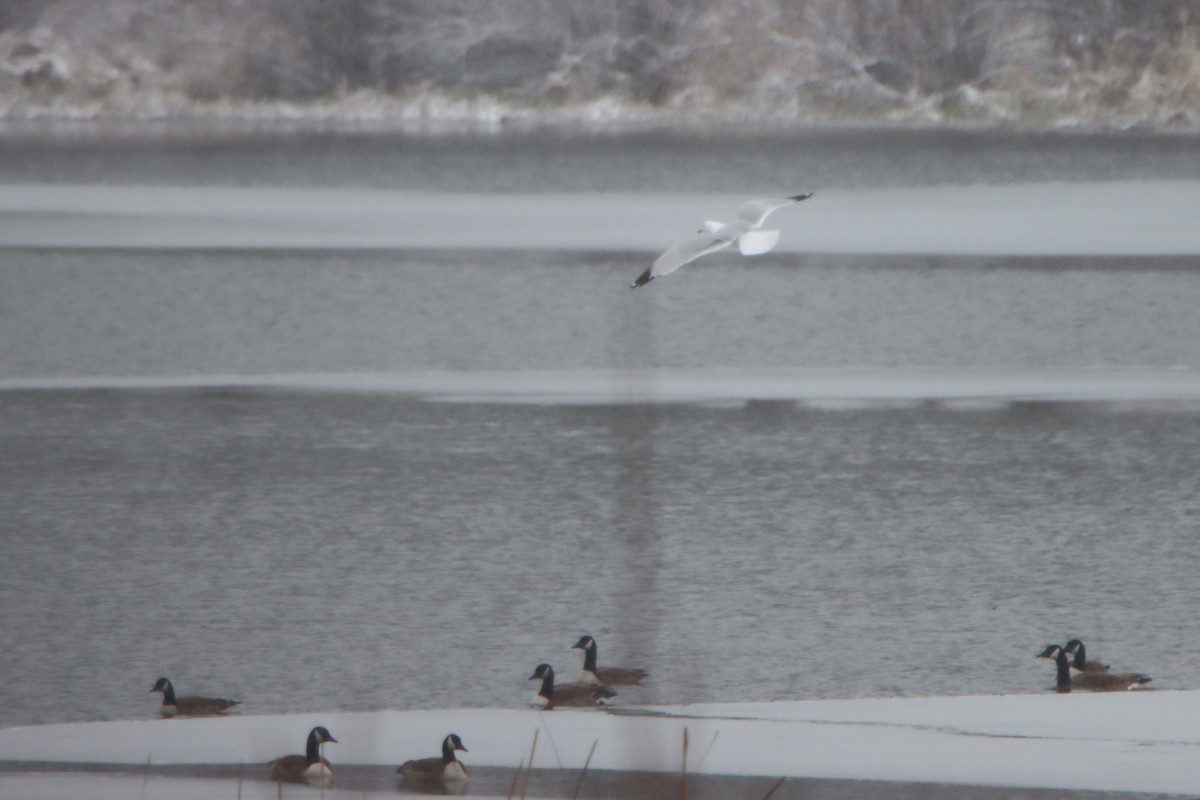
[
  {"x": 1086, "y": 65},
  {"x": 365, "y": 111}
]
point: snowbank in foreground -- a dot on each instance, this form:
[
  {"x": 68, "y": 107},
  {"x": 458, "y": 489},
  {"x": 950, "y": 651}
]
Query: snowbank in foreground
[{"x": 1144, "y": 741}]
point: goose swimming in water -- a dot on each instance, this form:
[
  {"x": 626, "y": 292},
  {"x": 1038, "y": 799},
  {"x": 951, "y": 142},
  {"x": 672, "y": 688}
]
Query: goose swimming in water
[
  {"x": 190, "y": 706},
  {"x": 437, "y": 771},
  {"x": 308, "y": 768},
  {"x": 1089, "y": 681},
  {"x": 574, "y": 695},
  {"x": 604, "y": 676},
  {"x": 1081, "y": 662}
]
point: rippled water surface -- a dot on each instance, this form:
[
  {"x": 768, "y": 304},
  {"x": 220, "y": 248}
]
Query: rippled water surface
[
  {"x": 342, "y": 549},
  {"x": 313, "y": 550}
]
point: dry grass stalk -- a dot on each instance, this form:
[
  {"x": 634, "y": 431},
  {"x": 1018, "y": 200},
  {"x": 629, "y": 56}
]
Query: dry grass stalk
[
  {"x": 683, "y": 771},
  {"x": 579, "y": 784},
  {"x": 516, "y": 777},
  {"x": 529, "y": 767},
  {"x": 778, "y": 783}
]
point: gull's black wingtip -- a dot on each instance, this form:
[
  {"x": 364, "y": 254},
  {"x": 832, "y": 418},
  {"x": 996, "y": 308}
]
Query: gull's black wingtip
[
  {"x": 798, "y": 197},
  {"x": 642, "y": 280}
]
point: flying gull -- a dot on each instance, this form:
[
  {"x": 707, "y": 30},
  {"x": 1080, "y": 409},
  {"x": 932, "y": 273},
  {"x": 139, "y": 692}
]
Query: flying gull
[{"x": 716, "y": 236}]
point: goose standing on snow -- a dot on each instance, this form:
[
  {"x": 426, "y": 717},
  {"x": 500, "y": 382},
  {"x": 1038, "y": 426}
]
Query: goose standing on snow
[
  {"x": 604, "y": 676},
  {"x": 574, "y": 695},
  {"x": 714, "y": 236},
  {"x": 437, "y": 771},
  {"x": 190, "y": 706},
  {"x": 1081, "y": 663},
  {"x": 1089, "y": 681},
  {"x": 310, "y": 767}
]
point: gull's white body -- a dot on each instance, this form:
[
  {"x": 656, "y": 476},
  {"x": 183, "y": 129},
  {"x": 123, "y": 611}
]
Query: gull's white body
[{"x": 714, "y": 236}]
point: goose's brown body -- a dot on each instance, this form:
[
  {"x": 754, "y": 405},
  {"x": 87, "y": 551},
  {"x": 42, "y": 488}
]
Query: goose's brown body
[{"x": 1089, "y": 681}]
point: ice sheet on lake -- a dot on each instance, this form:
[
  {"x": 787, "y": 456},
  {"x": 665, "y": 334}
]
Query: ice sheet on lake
[
  {"x": 1143, "y": 741},
  {"x": 1113, "y": 218},
  {"x": 828, "y": 388}
]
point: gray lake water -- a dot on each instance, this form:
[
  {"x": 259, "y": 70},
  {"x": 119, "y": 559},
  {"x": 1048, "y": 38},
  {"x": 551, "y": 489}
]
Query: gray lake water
[{"x": 339, "y": 548}]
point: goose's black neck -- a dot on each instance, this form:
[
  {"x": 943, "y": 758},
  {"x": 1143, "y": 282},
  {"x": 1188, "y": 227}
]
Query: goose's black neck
[
  {"x": 168, "y": 694},
  {"x": 312, "y": 751},
  {"x": 1064, "y": 672},
  {"x": 547, "y": 684},
  {"x": 1080, "y": 656},
  {"x": 589, "y": 657},
  {"x": 448, "y": 756}
]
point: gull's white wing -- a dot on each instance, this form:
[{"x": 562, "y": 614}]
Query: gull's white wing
[
  {"x": 688, "y": 250},
  {"x": 754, "y": 212},
  {"x": 753, "y": 243},
  {"x": 681, "y": 253}
]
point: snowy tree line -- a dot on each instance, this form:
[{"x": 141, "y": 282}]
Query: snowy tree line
[{"x": 1030, "y": 62}]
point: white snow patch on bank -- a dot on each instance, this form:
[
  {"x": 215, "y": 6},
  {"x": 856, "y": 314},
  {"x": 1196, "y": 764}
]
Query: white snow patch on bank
[
  {"x": 1095, "y": 218},
  {"x": 825, "y": 388},
  {"x": 1143, "y": 741}
]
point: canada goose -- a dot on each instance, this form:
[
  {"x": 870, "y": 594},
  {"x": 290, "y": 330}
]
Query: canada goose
[
  {"x": 308, "y": 767},
  {"x": 437, "y": 771},
  {"x": 1081, "y": 662},
  {"x": 604, "y": 676},
  {"x": 576, "y": 695},
  {"x": 190, "y": 706},
  {"x": 1089, "y": 681}
]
